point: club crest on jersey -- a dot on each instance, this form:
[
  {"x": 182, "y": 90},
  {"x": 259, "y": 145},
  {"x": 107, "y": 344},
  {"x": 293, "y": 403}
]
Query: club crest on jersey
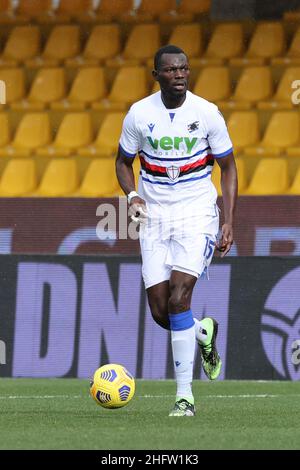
[
  {"x": 173, "y": 172},
  {"x": 193, "y": 126},
  {"x": 151, "y": 127}
]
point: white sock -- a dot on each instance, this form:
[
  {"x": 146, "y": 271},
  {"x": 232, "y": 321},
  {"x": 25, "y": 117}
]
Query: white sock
[
  {"x": 183, "y": 347},
  {"x": 200, "y": 331}
]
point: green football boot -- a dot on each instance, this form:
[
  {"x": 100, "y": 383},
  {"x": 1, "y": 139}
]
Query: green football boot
[
  {"x": 183, "y": 407},
  {"x": 210, "y": 358}
]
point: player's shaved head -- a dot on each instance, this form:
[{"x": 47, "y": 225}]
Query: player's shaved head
[{"x": 170, "y": 49}]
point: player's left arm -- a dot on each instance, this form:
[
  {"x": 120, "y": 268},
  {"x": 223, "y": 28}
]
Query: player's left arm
[{"x": 229, "y": 184}]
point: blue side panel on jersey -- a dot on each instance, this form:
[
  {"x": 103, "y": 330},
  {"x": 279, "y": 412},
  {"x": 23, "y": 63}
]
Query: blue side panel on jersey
[
  {"x": 220, "y": 155},
  {"x": 127, "y": 154}
]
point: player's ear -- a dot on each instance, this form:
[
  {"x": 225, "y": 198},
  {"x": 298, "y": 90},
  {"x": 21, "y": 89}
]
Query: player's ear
[{"x": 155, "y": 74}]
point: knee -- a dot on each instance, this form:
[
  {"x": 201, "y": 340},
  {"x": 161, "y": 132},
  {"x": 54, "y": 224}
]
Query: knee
[{"x": 179, "y": 300}]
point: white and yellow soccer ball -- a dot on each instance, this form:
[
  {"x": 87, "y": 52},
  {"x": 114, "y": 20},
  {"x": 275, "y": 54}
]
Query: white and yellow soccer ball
[{"x": 112, "y": 386}]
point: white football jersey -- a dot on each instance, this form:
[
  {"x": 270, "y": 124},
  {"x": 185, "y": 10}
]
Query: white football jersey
[{"x": 176, "y": 147}]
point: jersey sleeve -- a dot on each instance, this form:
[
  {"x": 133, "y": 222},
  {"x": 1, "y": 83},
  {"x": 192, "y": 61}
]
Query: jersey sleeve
[
  {"x": 217, "y": 134},
  {"x": 129, "y": 140}
]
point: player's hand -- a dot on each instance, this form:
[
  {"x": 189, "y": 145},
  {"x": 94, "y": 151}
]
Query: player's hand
[
  {"x": 138, "y": 210},
  {"x": 226, "y": 241}
]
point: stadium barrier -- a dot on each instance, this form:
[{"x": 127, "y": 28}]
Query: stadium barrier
[
  {"x": 63, "y": 316},
  {"x": 265, "y": 226}
]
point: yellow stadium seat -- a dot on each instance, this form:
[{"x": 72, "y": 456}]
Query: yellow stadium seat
[
  {"x": 63, "y": 43},
  {"x": 189, "y": 38},
  {"x": 270, "y": 178},
  {"x": 100, "y": 179},
  {"x": 71, "y": 8},
  {"x": 59, "y": 179},
  {"x": 33, "y": 132},
  {"x": 122, "y": 94},
  {"x": 7, "y": 16},
  {"x": 48, "y": 86},
  {"x": 283, "y": 96},
  {"x": 292, "y": 57},
  {"x": 282, "y": 132},
  {"x": 295, "y": 188},
  {"x": 103, "y": 43},
  {"x": 18, "y": 179},
  {"x": 186, "y": 11},
  {"x": 107, "y": 140},
  {"x": 33, "y": 8},
  {"x": 22, "y": 44},
  {"x": 142, "y": 44},
  {"x": 147, "y": 11},
  {"x": 88, "y": 86},
  {"x": 213, "y": 84},
  {"x": 4, "y": 130},
  {"x": 243, "y": 129},
  {"x": 110, "y": 10},
  {"x": 254, "y": 84},
  {"x": 242, "y": 178},
  {"x": 74, "y": 132},
  {"x": 268, "y": 41},
  {"x": 15, "y": 84},
  {"x": 226, "y": 42}
]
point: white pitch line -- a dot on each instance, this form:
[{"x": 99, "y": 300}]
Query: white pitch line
[
  {"x": 216, "y": 396},
  {"x": 37, "y": 397}
]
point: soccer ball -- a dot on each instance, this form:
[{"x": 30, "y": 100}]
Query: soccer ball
[{"x": 112, "y": 386}]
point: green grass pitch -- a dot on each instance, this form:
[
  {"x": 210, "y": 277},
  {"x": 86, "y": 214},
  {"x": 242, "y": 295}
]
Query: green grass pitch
[{"x": 59, "y": 414}]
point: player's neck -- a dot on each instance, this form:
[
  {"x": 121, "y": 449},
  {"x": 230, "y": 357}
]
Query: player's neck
[{"x": 172, "y": 102}]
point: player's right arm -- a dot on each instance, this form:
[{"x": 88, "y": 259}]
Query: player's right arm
[{"x": 128, "y": 148}]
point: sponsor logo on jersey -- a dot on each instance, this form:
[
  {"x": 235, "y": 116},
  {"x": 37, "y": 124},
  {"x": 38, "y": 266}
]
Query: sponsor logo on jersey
[
  {"x": 173, "y": 143},
  {"x": 193, "y": 126}
]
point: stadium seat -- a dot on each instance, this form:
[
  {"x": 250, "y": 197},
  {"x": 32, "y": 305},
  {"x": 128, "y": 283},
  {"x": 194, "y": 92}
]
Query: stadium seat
[
  {"x": 32, "y": 132},
  {"x": 7, "y": 16},
  {"x": 19, "y": 178},
  {"x": 48, "y": 86},
  {"x": 59, "y": 179},
  {"x": 22, "y": 44},
  {"x": 142, "y": 44},
  {"x": 108, "y": 11},
  {"x": 282, "y": 132},
  {"x": 14, "y": 79},
  {"x": 71, "y": 9},
  {"x": 189, "y": 38},
  {"x": 254, "y": 84},
  {"x": 241, "y": 171},
  {"x": 283, "y": 96},
  {"x": 270, "y": 178},
  {"x": 226, "y": 42},
  {"x": 107, "y": 140},
  {"x": 268, "y": 41},
  {"x": 103, "y": 43},
  {"x": 100, "y": 179},
  {"x": 213, "y": 84},
  {"x": 147, "y": 11},
  {"x": 74, "y": 132},
  {"x": 30, "y": 9},
  {"x": 186, "y": 11},
  {"x": 63, "y": 43},
  {"x": 121, "y": 94},
  {"x": 88, "y": 86},
  {"x": 4, "y": 130},
  {"x": 295, "y": 187},
  {"x": 243, "y": 129},
  {"x": 292, "y": 57}
]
